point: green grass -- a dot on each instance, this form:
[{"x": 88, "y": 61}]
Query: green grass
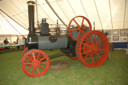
[{"x": 113, "y": 72}]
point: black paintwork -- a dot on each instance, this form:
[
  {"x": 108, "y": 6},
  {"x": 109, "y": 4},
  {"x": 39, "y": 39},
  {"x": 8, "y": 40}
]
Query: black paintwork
[
  {"x": 32, "y": 37},
  {"x": 70, "y": 50}
]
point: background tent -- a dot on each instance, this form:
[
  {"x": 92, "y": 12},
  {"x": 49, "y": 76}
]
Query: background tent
[
  {"x": 10, "y": 29},
  {"x": 107, "y": 14}
]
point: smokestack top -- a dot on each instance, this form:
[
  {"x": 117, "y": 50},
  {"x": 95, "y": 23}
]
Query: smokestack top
[{"x": 31, "y": 3}]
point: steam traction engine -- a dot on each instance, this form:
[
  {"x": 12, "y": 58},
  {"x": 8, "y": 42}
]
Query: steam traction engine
[{"x": 91, "y": 47}]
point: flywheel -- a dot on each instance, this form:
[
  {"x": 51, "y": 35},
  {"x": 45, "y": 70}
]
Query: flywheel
[{"x": 77, "y": 26}]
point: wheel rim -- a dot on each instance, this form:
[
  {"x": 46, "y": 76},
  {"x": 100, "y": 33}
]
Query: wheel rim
[
  {"x": 93, "y": 48},
  {"x": 35, "y": 63},
  {"x": 80, "y": 29},
  {"x": 24, "y": 51}
]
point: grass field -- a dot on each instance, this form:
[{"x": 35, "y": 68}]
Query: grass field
[{"x": 113, "y": 72}]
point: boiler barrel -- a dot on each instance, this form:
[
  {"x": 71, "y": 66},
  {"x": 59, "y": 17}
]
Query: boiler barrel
[{"x": 45, "y": 43}]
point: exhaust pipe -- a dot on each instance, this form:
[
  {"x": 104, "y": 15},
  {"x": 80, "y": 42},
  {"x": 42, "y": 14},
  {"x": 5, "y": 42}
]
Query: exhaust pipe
[
  {"x": 32, "y": 37},
  {"x": 31, "y": 17}
]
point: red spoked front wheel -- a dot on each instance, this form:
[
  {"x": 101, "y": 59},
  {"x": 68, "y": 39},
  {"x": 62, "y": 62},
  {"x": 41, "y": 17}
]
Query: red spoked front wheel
[
  {"x": 35, "y": 63},
  {"x": 77, "y": 26},
  {"x": 93, "y": 48}
]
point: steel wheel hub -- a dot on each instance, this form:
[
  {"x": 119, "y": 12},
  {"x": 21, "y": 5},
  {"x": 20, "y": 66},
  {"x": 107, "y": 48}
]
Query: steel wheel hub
[
  {"x": 94, "y": 49},
  {"x": 35, "y": 63}
]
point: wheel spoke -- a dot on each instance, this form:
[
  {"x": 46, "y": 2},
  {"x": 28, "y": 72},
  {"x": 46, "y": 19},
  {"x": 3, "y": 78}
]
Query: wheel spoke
[
  {"x": 92, "y": 59},
  {"x": 83, "y": 32},
  {"x": 97, "y": 55},
  {"x": 41, "y": 67},
  {"x": 82, "y": 22},
  {"x": 33, "y": 56},
  {"x": 29, "y": 67},
  {"x": 43, "y": 63},
  {"x": 42, "y": 58},
  {"x": 30, "y": 58},
  {"x": 86, "y": 27},
  {"x": 38, "y": 70},
  {"x": 100, "y": 48},
  {"x": 99, "y": 52},
  {"x": 88, "y": 58},
  {"x": 100, "y": 45},
  {"x": 91, "y": 40},
  {"x": 38, "y": 56},
  {"x": 94, "y": 38},
  {"x": 86, "y": 44},
  {"x": 99, "y": 42},
  {"x": 85, "y": 57},
  {"x": 76, "y": 23},
  {"x": 78, "y": 35},
  {"x": 86, "y": 52},
  {"x": 28, "y": 63},
  {"x": 75, "y": 29},
  {"x": 33, "y": 70}
]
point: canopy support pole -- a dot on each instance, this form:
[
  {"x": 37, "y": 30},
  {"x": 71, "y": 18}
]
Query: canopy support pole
[
  {"x": 124, "y": 13},
  {"x": 110, "y": 14}
]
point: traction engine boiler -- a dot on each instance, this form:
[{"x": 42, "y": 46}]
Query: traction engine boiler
[{"x": 80, "y": 43}]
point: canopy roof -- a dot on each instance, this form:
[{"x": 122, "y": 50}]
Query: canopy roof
[
  {"x": 107, "y": 14},
  {"x": 10, "y": 27}
]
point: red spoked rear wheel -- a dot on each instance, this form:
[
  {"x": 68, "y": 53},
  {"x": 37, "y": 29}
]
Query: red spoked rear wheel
[
  {"x": 93, "y": 48},
  {"x": 35, "y": 63},
  {"x": 79, "y": 27}
]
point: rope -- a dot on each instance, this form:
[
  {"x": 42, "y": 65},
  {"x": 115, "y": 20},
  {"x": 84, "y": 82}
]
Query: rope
[
  {"x": 0, "y": 26},
  {"x": 12, "y": 19},
  {"x": 110, "y": 14},
  {"x": 4, "y": 24},
  {"x": 84, "y": 9},
  {"x": 62, "y": 10},
  {"x": 55, "y": 13},
  {"x": 98, "y": 15},
  {"x": 72, "y": 9},
  {"x": 124, "y": 12}
]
